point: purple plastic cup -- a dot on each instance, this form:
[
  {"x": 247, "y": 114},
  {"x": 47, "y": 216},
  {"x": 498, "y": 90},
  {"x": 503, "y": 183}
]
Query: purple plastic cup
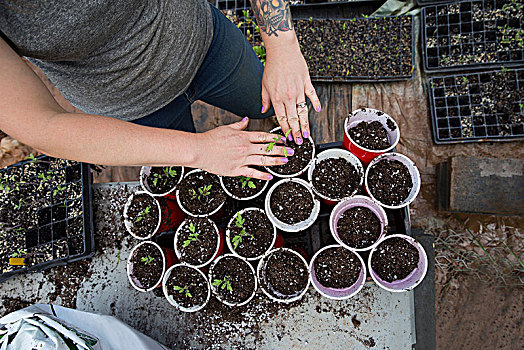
[
  {"x": 357, "y": 201},
  {"x": 413, "y": 279},
  {"x": 413, "y": 171},
  {"x": 334, "y": 293}
]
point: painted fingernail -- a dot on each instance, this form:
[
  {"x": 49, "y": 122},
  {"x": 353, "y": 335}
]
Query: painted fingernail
[
  {"x": 306, "y": 134},
  {"x": 270, "y": 177},
  {"x": 318, "y": 109},
  {"x": 299, "y": 141},
  {"x": 283, "y": 139},
  {"x": 284, "y": 160},
  {"x": 290, "y": 151},
  {"x": 244, "y": 119},
  {"x": 263, "y": 109},
  {"x": 290, "y": 137}
]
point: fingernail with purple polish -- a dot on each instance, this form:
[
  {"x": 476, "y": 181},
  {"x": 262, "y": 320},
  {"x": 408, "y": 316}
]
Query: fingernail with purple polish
[
  {"x": 283, "y": 139},
  {"x": 244, "y": 119},
  {"x": 290, "y": 137},
  {"x": 306, "y": 134},
  {"x": 318, "y": 109},
  {"x": 263, "y": 109},
  {"x": 290, "y": 151},
  {"x": 284, "y": 160},
  {"x": 299, "y": 141},
  {"x": 270, "y": 177}
]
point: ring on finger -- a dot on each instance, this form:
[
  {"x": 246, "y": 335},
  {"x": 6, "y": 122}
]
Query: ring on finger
[{"x": 301, "y": 104}]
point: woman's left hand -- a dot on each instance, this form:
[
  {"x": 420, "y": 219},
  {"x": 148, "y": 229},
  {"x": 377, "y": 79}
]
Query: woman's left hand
[{"x": 285, "y": 85}]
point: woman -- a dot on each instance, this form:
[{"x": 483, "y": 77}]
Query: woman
[{"x": 135, "y": 67}]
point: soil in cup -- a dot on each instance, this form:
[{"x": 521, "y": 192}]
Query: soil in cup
[
  {"x": 337, "y": 267},
  {"x": 143, "y": 214},
  {"x": 291, "y": 203},
  {"x": 394, "y": 259},
  {"x": 254, "y": 233},
  {"x": 390, "y": 181},
  {"x": 243, "y": 187},
  {"x": 285, "y": 273},
  {"x": 197, "y": 241},
  {"x": 201, "y": 193},
  {"x": 359, "y": 227},
  {"x": 233, "y": 280},
  {"x": 335, "y": 178},
  {"x": 147, "y": 266},
  {"x": 299, "y": 160},
  {"x": 370, "y": 135},
  {"x": 162, "y": 179},
  {"x": 187, "y": 287}
]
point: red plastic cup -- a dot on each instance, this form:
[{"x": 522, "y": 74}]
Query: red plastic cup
[{"x": 369, "y": 115}]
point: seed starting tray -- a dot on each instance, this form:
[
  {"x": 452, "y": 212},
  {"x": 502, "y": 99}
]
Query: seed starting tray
[
  {"x": 432, "y": 2},
  {"x": 475, "y": 107},
  {"x": 386, "y": 53},
  {"x": 59, "y": 226},
  {"x": 473, "y": 35}
]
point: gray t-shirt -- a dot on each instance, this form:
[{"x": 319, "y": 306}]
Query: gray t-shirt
[{"x": 118, "y": 58}]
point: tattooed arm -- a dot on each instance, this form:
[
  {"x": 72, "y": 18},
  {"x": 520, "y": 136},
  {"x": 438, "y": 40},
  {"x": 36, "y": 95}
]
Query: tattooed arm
[{"x": 286, "y": 79}]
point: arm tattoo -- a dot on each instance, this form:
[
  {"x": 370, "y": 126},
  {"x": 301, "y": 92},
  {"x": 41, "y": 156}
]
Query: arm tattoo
[{"x": 273, "y": 16}]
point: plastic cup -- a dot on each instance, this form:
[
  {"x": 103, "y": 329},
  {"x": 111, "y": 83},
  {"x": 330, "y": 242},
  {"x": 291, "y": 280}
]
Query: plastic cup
[
  {"x": 210, "y": 277},
  {"x": 368, "y": 115},
  {"x": 186, "y": 211},
  {"x": 127, "y": 222},
  {"x": 172, "y": 301},
  {"x": 357, "y": 201},
  {"x": 268, "y": 168},
  {"x": 168, "y": 259},
  {"x": 295, "y": 227},
  {"x": 228, "y": 235},
  {"x": 218, "y": 250},
  {"x": 336, "y": 153},
  {"x": 336, "y": 293},
  {"x": 240, "y": 198},
  {"x": 144, "y": 173},
  {"x": 413, "y": 171},
  {"x": 276, "y": 296},
  {"x": 413, "y": 279}
]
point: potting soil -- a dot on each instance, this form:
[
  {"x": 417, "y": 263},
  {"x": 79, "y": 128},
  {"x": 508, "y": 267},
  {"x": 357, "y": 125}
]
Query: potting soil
[
  {"x": 143, "y": 214},
  {"x": 291, "y": 203},
  {"x": 203, "y": 248},
  {"x": 335, "y": 178},
  {"x": 192, "y": 291},
  {"x": 285, "y": 273},
  {"x": 299, "y": 160},
  {"x": 147, "y": 272},
  {"x": 236, "y": 186},
  {"x": 390, "y": 181},
  {"x": 164, "y": 182},
  {"x": 239, "y": 275},
  {"x": 337, "y": 267},
  {"x": 358, "y": 227},
  {"x": 201, "y": 203},
  {"x": 394, "y": 259},
  {"x": 256, "y": 224},
  {"x": 370, "y": 135}
]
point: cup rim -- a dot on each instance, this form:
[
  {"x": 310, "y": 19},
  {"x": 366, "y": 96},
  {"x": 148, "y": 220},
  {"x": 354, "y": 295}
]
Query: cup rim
[
  {"x": 143, "y": 171},
  {"x": 172, "y": 301},
  {"x": 127, "y": 223},
  {"x": 177, "y": 234},
  {"x": 240, "y": 198},
  {"x": 129, "y": 266},
  {"x": 186, "y": 211}
]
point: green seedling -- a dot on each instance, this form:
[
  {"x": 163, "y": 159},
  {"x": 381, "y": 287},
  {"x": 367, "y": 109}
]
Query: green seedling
[
  {"x": 144, "y": 213},
  {"x": 504, "y": 70},
  {"x": 270, "y": 146},
  {"x": 168, "y": 172},
  {"x": 58, "y": 189},
  {"x": 31, "y": 158},
  {"x": 246, "y": 181},
  {"x": 147, "y": 259},
  {"x": 184, "y": 290},
  {"x": 237, "y": 239},
  {"x": 222, "y": 284},
  {"x": 465, "y": 80},
  {"x": 19, "y": 253},
  {"x": 193, "y": 236},
  {"x": 19, "y": 205},
  {"x": 202, "y": 192}
]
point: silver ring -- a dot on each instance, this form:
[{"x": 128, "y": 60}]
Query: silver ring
[{"x": 302, "y": 104}]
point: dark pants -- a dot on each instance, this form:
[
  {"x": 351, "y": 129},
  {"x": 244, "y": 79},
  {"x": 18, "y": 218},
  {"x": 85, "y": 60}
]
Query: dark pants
[{"x": 230, "y": 78}]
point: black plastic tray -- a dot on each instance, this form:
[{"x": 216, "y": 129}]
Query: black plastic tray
[
  {"x": 47, "y": 235},
  {"x": 468, "y": 116},
  {"x": 360, "y": 46},
  {"x": 458, "y": 31},
  {"x": 432, "y": 2}
]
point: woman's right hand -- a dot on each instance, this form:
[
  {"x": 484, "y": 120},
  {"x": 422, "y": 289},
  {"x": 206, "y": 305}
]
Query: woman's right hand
[{"x": 229, "y": 151}]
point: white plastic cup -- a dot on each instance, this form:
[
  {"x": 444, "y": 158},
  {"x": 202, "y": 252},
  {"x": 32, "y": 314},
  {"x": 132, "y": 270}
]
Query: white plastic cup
[
  {"x": 268, "y": 168},
  {"x": 145, "y": 171},
  {"x": 357, "y": 201},
  {"x": 413, "y": 279},
  {"x": 186, "y": 211},
  {"x": 336, "y": 293},
  {"x": 177, "y": 235},
  {"x": 413, "y": 171},
  {"x": 134, "y": 282},
  {"x": 210, "y": 277},
  {"x": 128, "y": 223},
  {"x": 295, "y": 227},
  {"x": 336, "y": 153},
  {"x": 228, "y": 235},
  {"x": 240, "y": 198},
  {"x": 281, "y": 298},
  {"x": 172, "y": 301},
  {"x": 369, "y": 115}
]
